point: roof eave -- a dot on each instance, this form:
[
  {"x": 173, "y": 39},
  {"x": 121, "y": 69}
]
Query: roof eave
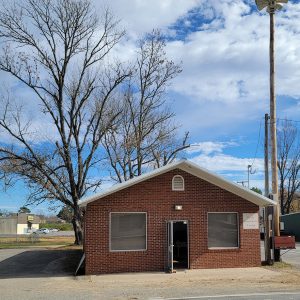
[
  {"x": 195, "y": 170},
  {"x": 232, "y": 187},
  {"x": 131, "y": 182}
]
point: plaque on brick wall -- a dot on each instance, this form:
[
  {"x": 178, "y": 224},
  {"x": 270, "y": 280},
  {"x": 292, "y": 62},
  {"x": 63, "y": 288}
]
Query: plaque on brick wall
[{"x": 250, "y": 221}]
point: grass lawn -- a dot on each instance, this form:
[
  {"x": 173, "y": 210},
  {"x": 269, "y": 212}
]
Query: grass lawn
[{"x": 20, "y": 242}]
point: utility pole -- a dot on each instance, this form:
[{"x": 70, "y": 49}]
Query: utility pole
[
  {"x": 267, "y": 209},
  {"x": 273, "y": 131},
  {"x": 266, "y": 155},
  {"x": 272, "y": 6}
]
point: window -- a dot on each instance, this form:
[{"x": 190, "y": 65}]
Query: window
[
  {"x": 223, "y": 230},
  {"x": 128, "y": 231},
  {"x": 177, "y": 183}
]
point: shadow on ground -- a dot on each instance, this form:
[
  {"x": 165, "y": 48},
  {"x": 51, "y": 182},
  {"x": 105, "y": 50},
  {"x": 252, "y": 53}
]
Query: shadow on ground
[{"x": 40, "y": 263}]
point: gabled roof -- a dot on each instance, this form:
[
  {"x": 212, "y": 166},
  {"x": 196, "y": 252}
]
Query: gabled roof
[{"x": 193, "y": 169}]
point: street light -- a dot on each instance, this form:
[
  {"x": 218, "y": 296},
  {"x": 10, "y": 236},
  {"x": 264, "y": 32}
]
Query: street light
[
  {"x": 250, "y": 171},
  {"x": 272, "y": 6}
]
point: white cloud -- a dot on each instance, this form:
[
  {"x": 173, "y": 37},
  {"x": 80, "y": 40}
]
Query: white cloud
[
  {"x": 222, "y": 162},
  {"x": 229, "y": 63},
  {"x": 140, "y": 16},
  {"x": 210, "y": 155},
  {"x": 234, "y": 168},
  {"x": 224, "y": 83},
  {"x": 209, "y": 147},
  {"x": 225, "y": 78}
]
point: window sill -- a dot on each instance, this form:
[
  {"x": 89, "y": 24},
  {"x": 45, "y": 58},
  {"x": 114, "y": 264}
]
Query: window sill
[
  {"x": 224, "y": 248},
  {"x": 138, "y": 250}
]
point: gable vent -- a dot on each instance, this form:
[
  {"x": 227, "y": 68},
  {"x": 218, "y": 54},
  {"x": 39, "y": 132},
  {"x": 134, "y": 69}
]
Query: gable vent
[{"x": 177, "y": 183}]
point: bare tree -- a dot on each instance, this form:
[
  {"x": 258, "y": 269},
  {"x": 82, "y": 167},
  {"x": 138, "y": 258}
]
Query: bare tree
[
  {"x": 145, "y": 135},
  {"x": 5, "y": 213},
  {"x": 288, "y": 164},
  {"x": 58, "y": 49}
]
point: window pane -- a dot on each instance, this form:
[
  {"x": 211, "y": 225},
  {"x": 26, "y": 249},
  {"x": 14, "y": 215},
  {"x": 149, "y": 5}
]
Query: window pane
[
  {"x": 222, "y": 230},
  {"x": 128, "y": 231}
]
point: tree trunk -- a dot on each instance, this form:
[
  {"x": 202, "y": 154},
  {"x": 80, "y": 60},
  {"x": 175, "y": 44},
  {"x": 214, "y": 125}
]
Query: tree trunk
[
  {"x": 288, "y": 207},
  {"x": 77, "y": 222}
]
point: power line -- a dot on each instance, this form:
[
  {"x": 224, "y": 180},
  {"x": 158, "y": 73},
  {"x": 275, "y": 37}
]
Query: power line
[
  {"x": 296, "y": 121},
  {"x": 290, "y": 120},
  {"x": 258, "y": 142}
]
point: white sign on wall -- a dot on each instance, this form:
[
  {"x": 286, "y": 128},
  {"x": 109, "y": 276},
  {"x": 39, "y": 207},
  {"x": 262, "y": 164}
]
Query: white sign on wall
[{"x": 250, "y": 221}]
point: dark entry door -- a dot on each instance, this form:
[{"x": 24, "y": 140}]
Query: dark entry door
[{"x": 178, "y": 245}]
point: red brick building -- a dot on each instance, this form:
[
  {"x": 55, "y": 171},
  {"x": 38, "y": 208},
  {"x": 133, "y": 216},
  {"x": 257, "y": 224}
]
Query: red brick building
[{"x": 178, "y": 216}]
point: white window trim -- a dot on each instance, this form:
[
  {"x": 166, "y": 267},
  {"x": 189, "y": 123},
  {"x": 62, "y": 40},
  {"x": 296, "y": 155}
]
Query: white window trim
[
  {"x": 127, "y": 212},
  {"x": 173, "y": 189},
  {"x": 238, "y": 230}
]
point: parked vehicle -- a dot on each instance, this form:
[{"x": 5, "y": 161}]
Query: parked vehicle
[
  {"x": 42, "y": 231},
  {"x": 53, "y": 230}
]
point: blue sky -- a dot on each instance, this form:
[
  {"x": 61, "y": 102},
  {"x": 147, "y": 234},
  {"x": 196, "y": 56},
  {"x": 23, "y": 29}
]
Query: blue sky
[{"x": 222, "y": 94}]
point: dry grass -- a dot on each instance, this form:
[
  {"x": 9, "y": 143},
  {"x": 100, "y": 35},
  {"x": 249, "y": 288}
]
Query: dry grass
[
  {"x": 279, "y": 265},
  {"x": 71, "y": 247},
  {"x": 31, "y": 241}
]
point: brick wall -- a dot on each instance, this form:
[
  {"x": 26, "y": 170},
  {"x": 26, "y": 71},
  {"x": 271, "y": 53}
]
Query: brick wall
[{"x": 155, "y": 196}]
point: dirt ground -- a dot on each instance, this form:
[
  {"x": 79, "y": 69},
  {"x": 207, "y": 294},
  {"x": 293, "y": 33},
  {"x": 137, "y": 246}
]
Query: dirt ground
[
  {"x": 191, "y": 283},
  {"x": 48, "y": 274},
  {"x": 197, "y": 282}
]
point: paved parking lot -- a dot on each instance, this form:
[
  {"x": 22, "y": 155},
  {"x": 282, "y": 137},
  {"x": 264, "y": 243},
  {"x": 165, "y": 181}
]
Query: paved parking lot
[
  {"x": 292, "y": 256},
  {"x": 289, "y": 256},
  {"x": 28, "y": 263}
]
